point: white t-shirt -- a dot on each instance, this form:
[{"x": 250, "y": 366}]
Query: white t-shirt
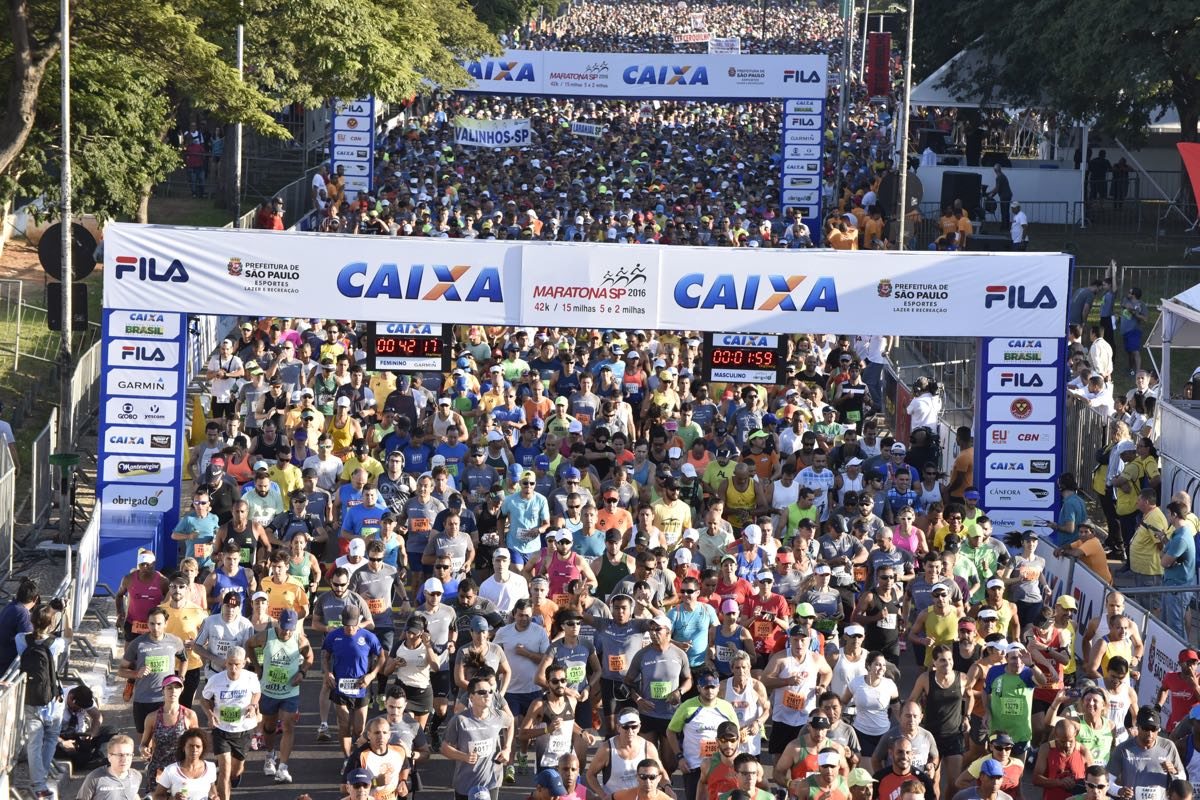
[
  {"x": 222, "y": 388},
  {"x": 523, "y": 669},
  {"x": 871, "y": 704},
  {"x": 175, "y": 782},
  {"x": 232, "y": 700},
  {"x": 1019, "y": 221},
  {"x": 924, "y": 410},
  {"x": 505, "y": 595}
]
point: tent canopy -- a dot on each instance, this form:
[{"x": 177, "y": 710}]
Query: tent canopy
[
  {"x": 930, "y": 91},
  {"x": 1182, "y": 314}
]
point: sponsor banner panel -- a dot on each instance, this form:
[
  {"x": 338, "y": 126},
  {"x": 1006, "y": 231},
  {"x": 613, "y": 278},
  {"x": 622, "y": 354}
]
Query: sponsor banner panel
[
  {"x": 132, "y": 353},
  {"x": 1022, "y": 380},
  {"x": 667, "y": 76},
  {"x": 128, "y": 439},
  {"x": 1023, "y": 408},
  {"x": 1018, "y": 494},
  {"x": 1011, "y": 466},
  {"x": 126, "y": 497},
  {"x": 144, "y": 324},
  {"x": 616, "y": 287},
  {"x": 140, "y": 411},
  {"x": 590, "y": 129},
  {"x": 353, "y": 131},
  {"x": 141, "y": 469},
  {"x": 1021, "y": 437},
  {"x": 141, "y": 382}
]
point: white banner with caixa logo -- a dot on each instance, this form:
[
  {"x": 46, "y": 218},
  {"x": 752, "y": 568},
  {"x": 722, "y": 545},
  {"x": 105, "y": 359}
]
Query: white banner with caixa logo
[{"x": 143, "y": 389}]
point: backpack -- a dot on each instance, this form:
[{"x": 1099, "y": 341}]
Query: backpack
[{"x": 41, "y": 673}]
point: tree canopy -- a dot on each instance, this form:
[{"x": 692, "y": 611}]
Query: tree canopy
[
  {"x": 137, "y": 63},
  {"x": 1110, "y": 62}
]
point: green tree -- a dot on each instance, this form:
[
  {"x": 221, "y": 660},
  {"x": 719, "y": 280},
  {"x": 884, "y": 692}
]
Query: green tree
[
  {"x": 150, "y": 60},
  {"x": 502, "y": 16},
  {"x": 1113, "y": 62}
]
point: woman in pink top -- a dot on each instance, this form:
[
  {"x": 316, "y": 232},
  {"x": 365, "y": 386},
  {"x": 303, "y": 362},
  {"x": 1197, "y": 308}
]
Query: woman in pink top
[
  {"x": 908, "y": 536},
  {"x": 140, "y": 592}
]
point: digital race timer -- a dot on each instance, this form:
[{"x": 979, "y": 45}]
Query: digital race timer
[
  {"x": 744, "y": 358},
  {"x": 408, "y": 347}
]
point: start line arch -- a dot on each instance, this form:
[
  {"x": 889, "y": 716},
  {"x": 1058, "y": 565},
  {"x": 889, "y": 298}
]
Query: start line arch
[{"x": 1014, "y": 303}]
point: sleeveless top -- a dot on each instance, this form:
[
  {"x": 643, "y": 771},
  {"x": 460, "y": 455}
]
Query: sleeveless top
[
  {"x": 790, "y": 705},
  {"x": 246, "y": 540},
  {"x": 943, "y": 630},
  {"x": 415, "y": 672},
  {"x": 280, "y": 663},
  {"x": 224, "y": 582},
  {"x": 850, "y": 485},
  {"x": 806, "y": 763},
  {"x": 560, "y": 572},
  {"x": 166, "y": 740},
  {"x": 783, "y": 496},
  {"x": 927, "y": 496},
  {"x": 745, "y": 706},
  {"x": 1123, "y": 648},
  {"x": 725, "y": 646},
  {"x": 943, "y": 707},
  {"x": 1067, "y": 636},
  {"x": 721, "y": 777},
  {"x": 963, "y": 663},
  {"x": 739, "y": 503},
  {"x": 1061, "y": 765},
  {"x": 622, "y": 772},
  {"x": 609, "y": 575},
  {"x": 845, "y": 671},
  {"x": 884, "y": 632},
  {"x": 144, "y": 597},
  {"x": 1098, "y": 741},
  {"x": 549, "y": 747},
  {"x": 907, "y": 543},
  {"x": 1118, "y": 707},
  {"x": 303, "y": 570},
  {"x": 341, "y": 436}
]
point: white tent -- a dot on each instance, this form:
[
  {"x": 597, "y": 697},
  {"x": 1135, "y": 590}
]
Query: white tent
[
  {"x": 930, "y": 91},
  {"x": 1178, "y": 326}
]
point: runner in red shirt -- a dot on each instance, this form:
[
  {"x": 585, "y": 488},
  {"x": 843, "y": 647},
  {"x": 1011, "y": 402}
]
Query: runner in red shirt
[
  {"x": 1183, "y": 687},
  {"x": 729, "y": 585},
  {"x": 766, "y": 615}
]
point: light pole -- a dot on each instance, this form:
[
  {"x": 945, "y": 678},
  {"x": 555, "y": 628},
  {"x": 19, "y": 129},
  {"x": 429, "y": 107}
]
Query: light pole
[
  {"x": 237, "y": 129},
  {"x": 908, "y": 49},
  {"x": 66, "y": 359}
]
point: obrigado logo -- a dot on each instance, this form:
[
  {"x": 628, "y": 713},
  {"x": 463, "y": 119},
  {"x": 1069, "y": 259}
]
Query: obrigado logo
[
  {"x": 666, "y": 75},
  {"x": 737, "y": 292},
  {"x": 135, "y": 502},
  {"x": 361, "y": 280},
  {"x": 501, "y": 70},
  {"x": 149, "y": 269}
]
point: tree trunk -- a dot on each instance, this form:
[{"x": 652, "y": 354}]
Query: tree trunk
[
  {"x": 143, "y": 212},
  {"x": 28, "y": 68}
]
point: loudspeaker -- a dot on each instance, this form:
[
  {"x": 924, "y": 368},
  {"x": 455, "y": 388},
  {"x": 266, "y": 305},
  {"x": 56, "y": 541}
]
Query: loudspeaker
[
  {"x": 932, "y": 138},
  {"x": 991, "y": 158},
  {"x": 994, "y": 243},
  {"x": 965, "y": 186},
  {"x": 79, "y": 306}
]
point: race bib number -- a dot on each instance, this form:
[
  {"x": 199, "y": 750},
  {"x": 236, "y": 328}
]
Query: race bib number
[
  {"x": 708, "y": 747},
  {"x": 853, "y": 416},
  {"x": 376, "y": 605},
  {"x": 333, "y": 625},
  {"x": 793, "y": 700},
  {"x": 278, "y": 676},
  {"x": 348, "y": 686},
  {"x": 420, "y": 525},
  {"x": 158, "y": 665},
  {"x": 562, "y": 600},
  {"x": 725, "y": 653},
  {"x": 660, "y": 690},
  {"x": 763, "y": 628},
  {"x": 860, "y": 574},
  {"x": 575, "y": 674},
  {"x": 483, "y": 748},
  {"x": 245, "y": 555},
  {"x": 1011, "y": 706},
  {"x": 1149, "y": 793},
  {"x": 202, "y": 550},
  {"x": 616, "y": 663},
  {"x": 139, "y": 628},
  {"x": 275, "y": 612},
  {"x": 231, "y": 714},
  {"x": 887, "y": 622}
]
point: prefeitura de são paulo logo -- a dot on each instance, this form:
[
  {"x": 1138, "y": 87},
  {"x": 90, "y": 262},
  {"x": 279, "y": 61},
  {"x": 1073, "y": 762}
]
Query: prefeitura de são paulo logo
[
  {"x": 235, "y": 267},
  {"x": 885, "y": 288}
]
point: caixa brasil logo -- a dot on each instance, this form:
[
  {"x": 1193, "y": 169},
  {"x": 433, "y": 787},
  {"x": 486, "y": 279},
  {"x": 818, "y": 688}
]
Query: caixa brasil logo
[
  {"x": 665, "y": 75},
  {"x": 1018, "y": 297},
  {"x": 151, "y": 269},
  {"x": 495, "y": 70},
  {"x": 755, "y": 293},
  {"x": 453, "y": 284}
]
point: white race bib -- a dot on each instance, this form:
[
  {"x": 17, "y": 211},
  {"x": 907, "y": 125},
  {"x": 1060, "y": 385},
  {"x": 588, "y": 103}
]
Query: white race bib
[
  {"x": 348, "y": 686},
  {"x": 887, "y": 622}
]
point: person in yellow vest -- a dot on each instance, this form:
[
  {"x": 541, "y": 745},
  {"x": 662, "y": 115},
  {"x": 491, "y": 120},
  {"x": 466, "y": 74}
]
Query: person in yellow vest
[
  {"x": 283, "y": 590},
  {"x": 1126, "y": 486},
  {"x": 1146, "y": 549},
  {"x": 1064, "y": 622}
]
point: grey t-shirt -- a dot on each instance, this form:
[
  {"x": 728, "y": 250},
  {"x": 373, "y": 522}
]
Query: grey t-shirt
[
  {"x": 1028, "y": 591},
  {"x": 523, "y": 670},
  {"x": 658, "y": 673},
  {"x": 218, "y": 636},
  {"x": 616, "y": 646},
  {"x": 100, "y": 784},
  {"x": 440, "y": 624},
  {"x": 919, "y": 589},
  {"x": 468, "y": 733},
  {"x": 1142, "y": 769},
  {"x": 160, "y": 657},
  {"x": 441, "y": 545},
  {"x": 420, "y": 522},
  {"x": 329, "y": 609},
  {"x": 376, "y": 588},
  {"x": 923, "y": 746}
]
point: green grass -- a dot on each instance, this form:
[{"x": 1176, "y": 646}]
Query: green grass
[{"x": 186, "y": 211}]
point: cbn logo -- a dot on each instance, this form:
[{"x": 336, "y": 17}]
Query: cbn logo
[
  {"x": 741, "y": 293},
  {"x": 360, "y": 280},
  {"x": 501, "y": 70},
  {"x": 147, "y": 269},
  {"x": 666, "y": 75}
]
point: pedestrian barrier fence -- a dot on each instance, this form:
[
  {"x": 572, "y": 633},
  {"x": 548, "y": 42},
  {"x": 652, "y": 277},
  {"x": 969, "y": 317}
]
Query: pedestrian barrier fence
[{"x": 43, "y": 478}]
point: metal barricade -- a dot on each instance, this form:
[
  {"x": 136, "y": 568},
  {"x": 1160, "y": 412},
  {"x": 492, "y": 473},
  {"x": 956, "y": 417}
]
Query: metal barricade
[
  {"x": 8, "y": 493},
  {"x": 1087, "y": 432},
  {"x": 43, "y": 478},
  {"x": 12, "y": 711},
  {"x": 85, "y": 387}
]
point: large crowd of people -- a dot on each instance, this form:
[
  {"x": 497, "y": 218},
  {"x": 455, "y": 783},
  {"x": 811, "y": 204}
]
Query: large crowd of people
[{"x": 573, "y": 565}]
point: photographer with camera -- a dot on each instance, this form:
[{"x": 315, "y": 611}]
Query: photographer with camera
[{"x": 926, "y": 406}]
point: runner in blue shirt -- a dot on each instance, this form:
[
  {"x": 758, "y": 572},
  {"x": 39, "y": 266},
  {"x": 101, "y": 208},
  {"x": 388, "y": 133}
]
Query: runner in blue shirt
[
  {"x": 527, "y": 515},
  {"x": 352, "y": 658}
]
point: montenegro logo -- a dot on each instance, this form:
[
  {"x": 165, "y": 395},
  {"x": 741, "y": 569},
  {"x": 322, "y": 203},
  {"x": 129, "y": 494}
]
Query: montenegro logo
[
  {"x": 1021, "y": 408},
  {"x": 885, "y": 288},
  {"x": 235, "y": 267}
]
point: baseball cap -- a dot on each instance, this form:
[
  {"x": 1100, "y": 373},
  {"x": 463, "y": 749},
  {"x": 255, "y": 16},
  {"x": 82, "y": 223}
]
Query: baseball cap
[
  {"x": 970, "y": 494},
  {"x": 145, "y": 557},
  {"x": 560, "y": 401},
  {"x": 991, "y": 768},
  {"x": 828, "y": 759},
  {"x": 479, "y": 624},
  {"x": 729, "y": 605},
  {"x": 805, "y": 610},
  {"x": 433, "y": 585},
  {"x": 859, "y": 777},
  {"x": 854, "y": 462},
  {"x": 1066, "y": 601},
  {"x": 988, "y": 613},
  {"x": 662, "y": 621},
  {"x": 1188, "y": 655},
  {"x": 688, "y": 471},
  {"x": 357, "y": 547},
  {"x": 682, "y": 556},
  {"x": 855, "y": 630},
  {"x": 343, "y": 402},
  {"x": 571, "y": 474},
  {"x": 995, "y": 583},
  {"x": 1001, "y": 738},
  {"x": 1148, "y": 718},
  {"x": 358, "y": 777},
  {"x": 287, "y": 620},
  {"x": 691, "y": 533},
  {"x": 752, "y": 534},
  {"x": 820, "y": 723},
  {"x": 550, "y": 780},
  {"x": 542, "y": 463},
  {"x": 675, "y": 452},
  {"x": 501, "y": 553},
  {"x": 709, "y": 679},
  {"x": 260, "y": 596},
  {"x": 899, "y": 449},
  {"x": 172, "y": 680},
  {"x": 495, "y": 436}
]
